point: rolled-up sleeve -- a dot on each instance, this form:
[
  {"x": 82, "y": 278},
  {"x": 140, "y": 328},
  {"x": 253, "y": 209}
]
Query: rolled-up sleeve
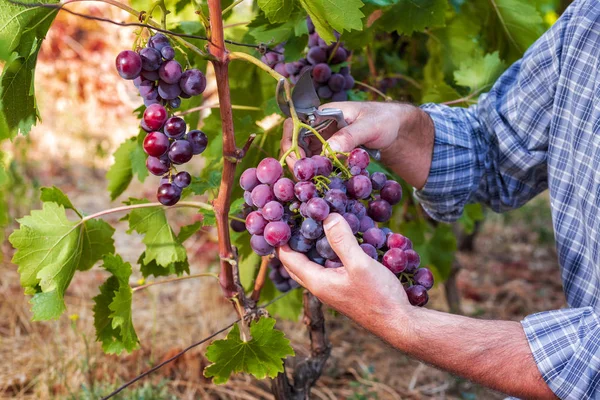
[{"x": 495, "y": 152}]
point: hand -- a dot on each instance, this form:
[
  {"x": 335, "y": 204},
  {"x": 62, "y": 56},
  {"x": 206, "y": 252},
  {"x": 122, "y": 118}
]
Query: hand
[
  {"x": 402, "y": 132},
  {"x": 362, "y": 289}
]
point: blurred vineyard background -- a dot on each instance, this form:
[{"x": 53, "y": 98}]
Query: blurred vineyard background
[{"x": 510, "y": 269}]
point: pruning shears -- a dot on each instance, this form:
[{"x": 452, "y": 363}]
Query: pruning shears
[{"x": 306, "y": 102}]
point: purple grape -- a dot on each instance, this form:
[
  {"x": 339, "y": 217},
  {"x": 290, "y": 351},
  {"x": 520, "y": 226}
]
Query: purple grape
[
  {"x": 157, "y": 166},
  {"x": 275, "y": 276},
  {"x": 255, "y": 223},
  {"x": 182, "y": 179},
  {"x": 424, "y": 277},
  {"x": 359, "y": 187},
  {"x": 248, "y": 198},
  {"x": 283, "y": 286},
  {"x": 270, "y": 59},
  {"x": 323, "y": 164},
  {"x": 317, "y": 209},
  {"x": 324, "y": 249},
  {"x": 349, "y": 82},
  {"x": 378, "y": 180},
  {"x": 168, "y": 194},
  {"x": 321, "y": 72},
  {"x": 272, "y": 211},
  {"x": 260, "y": 245},
  {"x": 295, "y": 206},
  {"x": 316, "y": 55},
  {"x": 175, "y": 103},
  {"x": 193, "y": 82},
  {"x": 417, "y": 295},
  {"x": 138, "y": 81},
  {"x": 277, "y": 233},
  {"x": 248, "y": 179},
  {"x": 180, "y": 152},
  {"x": 391, "y": 192},
  {"x": 305, "y": 191},
  {"x": 370, "y": 250},
  {"x": 280, "y": 69},
  {"x": 156, "y": 144},
  {"x": 293, "y": 68},
  {"x": 339, "y": 56},
  {"x": 324, "y": 92},
  {"x": 375, "y": 237},
  {"x": 315, "y": 257},
  {"x": 269, "y": 171},
  {"x": 337, "y": 183},
  {"x": 380, "y": 210},
  {"x": 395, "y": 260},
  {"x": 366, "y": 223},
  {"x": 151, "y": 59},
  {"x": 304, "y": 169},
  {"x": 198, "y": 140},
  {"x": 311, "y": 229},
  {"x": 398, "y": 241},
  {"x": 238, "y": 226},
  {"x": 128, "y": 64},
  {"x": 339, "y": 96},
  {"x": 150, "y": 75},
  {"x": 313, "y": 40},
  {"x": 413, "y": 260},
  {"x": 148, "y": 90},
  {"x": 299, "y": 243},
  {"x": 303, "y": 210},
  {"x": 175, "y": 127},
  {"x": 310, "y": 25},
  {"x": 158, "y": 41},
  {"x": 168, "y": 53},
  {"x": 336, "y": 82},
  {"x": 337, "y": 200},
  {"x": 353, "y": 221},
  {"x": 283, "y": 189},
  {"x": 149, "y": 102},
  {"x": 168, "y": 91},
  {"x": 336, "y": 263},
  {"x": 355, "y": 171},
  {"x": 261, "y": 195},
  {"x": 357, "y": 208},
  {"x": 155, "y": 117},
  {"x": 170, "y": 72},
  {"x": 359, "y": 158}
]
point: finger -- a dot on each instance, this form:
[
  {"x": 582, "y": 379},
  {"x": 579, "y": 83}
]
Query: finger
[
  {"x": 350, "y": 109},
  {"x": 342, "y": 241},
  {"x": 304, "y": 271},
  {"x": 350, "y": 137}
]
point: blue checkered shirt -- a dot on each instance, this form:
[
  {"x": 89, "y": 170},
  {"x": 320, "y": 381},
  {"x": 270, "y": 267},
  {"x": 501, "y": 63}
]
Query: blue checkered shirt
[{"x": 539, "y": 128}]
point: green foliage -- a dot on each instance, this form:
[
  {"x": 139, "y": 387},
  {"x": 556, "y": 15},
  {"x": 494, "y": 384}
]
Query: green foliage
[
  {"x": 408, "y": 16},
  {"x": 21, "y": 35},
  {"x": 261, "y": 356},
  {"x": 130, "y": 159}
]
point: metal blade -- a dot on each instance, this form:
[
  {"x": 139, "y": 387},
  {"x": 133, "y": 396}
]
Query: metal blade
[{"x": 304, "y": 95}]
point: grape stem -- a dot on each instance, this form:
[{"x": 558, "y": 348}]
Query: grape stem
[
  {"x": 374, "y": 90},
  {"x": 327, "y": 149},
  {"x": 216, "y": 105},
  {"x": 181, "y": 278},
  {"x": 188, "y": 204},
  {"x": 231, "y": 6}
]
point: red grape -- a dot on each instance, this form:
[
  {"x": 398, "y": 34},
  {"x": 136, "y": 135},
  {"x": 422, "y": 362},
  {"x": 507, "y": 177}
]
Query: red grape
[
  {"x": 151, "y": 59},
  {"x": 168, "y": 53},
  {"x": 192, "y": 82},
  {"x": 182, "y": 179},
  {"x": 180, "y": 152},
  {"x": 323, "y": 164},
  {"x": 283, "y": 189},
  {"x": 359, "y": 187},
  {"x": 272, "y": 211},
  {"x": 155, "y": 117},
  {"x": 359, "y": 158},
  {"x": 170, "y": 72},
  {"x": 380, "y": 210},
  {"x": 129, "y": 64},
  {"x": 168, "y": 91},
  {"x": 366, "y": 223},
  {"x": 398, "y": 241},
  {"x": 336, "y": 263},
  {"x": 299, "y": 243},
  {"x": 337, "y": 200},
  {"x": 370, "y": 250},
  {"x": 248, "y": 179},
  {"x": 424, "y": 277},
  {"x": 175, "y": 127},
  {"x": 317, "y": 209},
  {"x": 413, "y": 259},
  {"x": 269, "y": 171},
  {"x": 168, "y": 194},
  {"x": 304, "y": 169},
  {"x": 353, "y": 221},
  {"x": 260, "y": 245},
  {"x": 305, "y": 191},
  {"x": 417, "y": 295},
  {"x": 255, "y": 223},
  {"x": 277, "y": 233},
  {"x": 324, "y": 249},
  {"x": 261, "y": 195},
  {"x": 391, "y": 192},
  {"x": 157, "y": 166},
  {"x": 198, "y": 140},
  {"x": 321, "y": 73},
  {"x": 311, "y": 229},
  {"x": 378, "y": 180},
  {"x": 156, "y": 144},
  {"x": 316, "y": 55},
  {"x": 395, "y": 260},
  {"x": 375, "y": 237}
]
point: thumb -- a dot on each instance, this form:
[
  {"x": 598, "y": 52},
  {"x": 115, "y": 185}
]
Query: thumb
[
  {"x": 342, "y": 241},
  {"x": 350, "y": 137}
]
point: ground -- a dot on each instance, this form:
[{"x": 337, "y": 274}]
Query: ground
[{"x": 511, "y": 272}]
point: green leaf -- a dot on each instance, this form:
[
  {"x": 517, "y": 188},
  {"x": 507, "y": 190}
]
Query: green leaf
[
  {"x": 49, "y": 248},
  {"x": 520, "y": 22},
  {"x": 57, "y": 196},
  {"x": 273, "y": 33},
  {"x": 276, "y": 10},
  {"x": 119, "y": 175},
  {"x": 200, "y": 186},
  {"x": 112, "y": 309},
  {"x": 441, "y": 249},
  {"x": 409, "y": 16},
  {"x": 262, "y": 356},
  {"x": 472, "y": 214},
  {"x": 152, "y": 268},
  {"x": 334, "y": 15},
  {"x": 480, "y": 72},
  {"x": 161, "y": 243},
  {"x": 22, "y": 30}
]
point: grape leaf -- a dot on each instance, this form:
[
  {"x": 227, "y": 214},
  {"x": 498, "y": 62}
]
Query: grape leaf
[
  {"x": 200, "y": 185},
  {"x": 408, "y": 16},
  {"x": 120, "y": 173},
  {"x": 161, "y": 243},
  {"x": 480, "y": 72},
  {"x": 330, "y": 15},
  {"x": 276, "y": 10},
  {"x": 519, "y": 20},
  {"x": 112, "y": 309},
  {"x": 57, "y": 196},
  {"x": 470, "y": 216},
  {"x": 152, "y": 268},
  {"x": 262, "y": 356},
  {"x": 22, "y": 31},
  {"x": 49, "y": 248}
]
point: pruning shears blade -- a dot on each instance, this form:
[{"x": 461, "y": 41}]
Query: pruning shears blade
[{"x": 304, "y": 95}]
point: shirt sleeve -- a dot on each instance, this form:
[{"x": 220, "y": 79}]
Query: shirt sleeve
[{"x": 495, "y": 152}]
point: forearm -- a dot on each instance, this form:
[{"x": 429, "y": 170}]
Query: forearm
[
  {"x": 410, "y": 154},
  {"x": 493, "y": 353}
]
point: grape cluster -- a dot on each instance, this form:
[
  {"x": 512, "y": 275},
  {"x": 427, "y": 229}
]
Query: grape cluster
[
  {"x": 331, "y": 77},
  {"x": 162, "y": 83},
  {"x": 159, "y": 78},
  {"x": 280, "y": 211}
]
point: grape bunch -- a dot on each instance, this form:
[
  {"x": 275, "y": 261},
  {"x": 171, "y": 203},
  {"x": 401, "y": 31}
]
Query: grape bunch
[
  {"x": 159, "y": 78},
  {"x": 331, "y": 77},
  {"x": 162, "y": 83},
  {"x": 280, "y": 211}
]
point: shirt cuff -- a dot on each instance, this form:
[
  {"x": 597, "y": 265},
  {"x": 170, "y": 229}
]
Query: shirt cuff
[
  {"x": 453, "y": 175},
  {"x": 566, "y": 348}
]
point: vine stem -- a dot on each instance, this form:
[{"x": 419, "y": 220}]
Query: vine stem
[
  {"x": 216, "y": 105},
  {"x": 189, "y": 204},
  {"x": 181, "y": 278},
  {"x": 231, "y": 6},
  {"x": 374, "y": 90}
]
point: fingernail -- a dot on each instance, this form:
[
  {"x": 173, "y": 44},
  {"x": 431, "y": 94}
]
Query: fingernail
[
  {"x": 335, "y": 146},
  {"x": 331, "y": 221}
]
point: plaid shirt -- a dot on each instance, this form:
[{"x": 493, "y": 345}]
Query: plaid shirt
[{"x": 539, "y": 128}]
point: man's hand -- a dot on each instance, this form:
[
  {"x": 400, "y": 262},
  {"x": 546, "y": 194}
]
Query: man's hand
[
  {"x": 403, "y": 133},
  {"x": 363, "y": 289}
]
